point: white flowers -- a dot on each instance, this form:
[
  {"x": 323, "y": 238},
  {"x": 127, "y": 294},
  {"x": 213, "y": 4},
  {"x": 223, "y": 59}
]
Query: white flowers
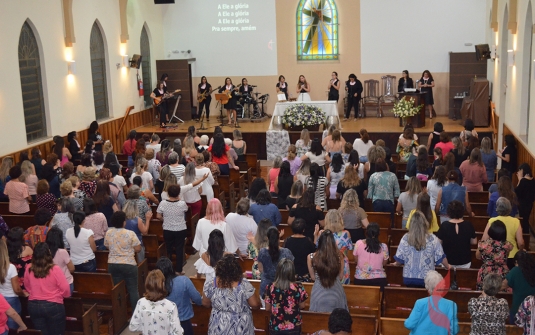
[
  {"x": 406, "y": 108},
  {"x": 303, "y": 115}
]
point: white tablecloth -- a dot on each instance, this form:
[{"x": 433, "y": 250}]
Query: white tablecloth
[
  {"x": 330, "y": 108},
  {"x": 277, "y": 142}
]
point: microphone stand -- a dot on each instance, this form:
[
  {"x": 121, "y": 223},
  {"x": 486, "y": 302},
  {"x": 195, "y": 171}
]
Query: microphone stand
[{"x": 203, "y": 113}]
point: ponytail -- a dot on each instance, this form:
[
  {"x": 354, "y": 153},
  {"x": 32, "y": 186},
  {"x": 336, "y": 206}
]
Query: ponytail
[
  {"x": 78, "y": 218},
  {"x": 273, "y": 244}
]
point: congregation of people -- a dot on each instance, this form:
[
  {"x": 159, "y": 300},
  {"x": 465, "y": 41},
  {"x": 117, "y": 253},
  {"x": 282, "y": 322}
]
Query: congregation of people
[{"x": 87, "y": 201}]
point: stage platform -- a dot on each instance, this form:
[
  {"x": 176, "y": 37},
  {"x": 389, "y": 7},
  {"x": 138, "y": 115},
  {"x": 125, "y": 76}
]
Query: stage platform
[{"x": 386, "y": 128}]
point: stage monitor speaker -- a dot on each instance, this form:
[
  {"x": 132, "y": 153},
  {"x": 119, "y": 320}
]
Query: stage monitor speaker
[
  {"x": 135, "y": 62},
  {"x": 161, "y": 2}
]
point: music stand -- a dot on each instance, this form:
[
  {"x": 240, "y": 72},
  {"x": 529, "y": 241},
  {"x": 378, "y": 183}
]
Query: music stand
[
  {"x": 174, "y": 111},
  {"x": 221, "y": 98}
]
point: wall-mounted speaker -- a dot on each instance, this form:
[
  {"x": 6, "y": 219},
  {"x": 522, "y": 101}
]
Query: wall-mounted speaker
[
  {"x": 161, "y": 2},
  {"x": 135, "y": 62}
]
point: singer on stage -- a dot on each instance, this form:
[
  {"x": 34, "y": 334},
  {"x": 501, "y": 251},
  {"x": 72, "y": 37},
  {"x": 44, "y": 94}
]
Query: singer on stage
[
  {"x": 203, "y": 91},
  {"x": 160, "y": 92},
  {"x": 303, "y": 89},
  {"x": 230, "y": 106},
  {"x": 282, "y": 87},
  {"x": 334, "y": 87},
  {"x": 354, "y": 90}
]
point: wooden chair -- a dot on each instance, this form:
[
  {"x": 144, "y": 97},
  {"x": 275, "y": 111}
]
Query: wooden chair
[
  {"x": 98, "y": 288},
  {"x": 388, "y": 93},
  {"x": 370, "y": 96}
]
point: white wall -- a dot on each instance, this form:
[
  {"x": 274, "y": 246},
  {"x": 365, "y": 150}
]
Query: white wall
[
  {"x": 69, "y": 99},
  {"x": 416, "y": 34}
]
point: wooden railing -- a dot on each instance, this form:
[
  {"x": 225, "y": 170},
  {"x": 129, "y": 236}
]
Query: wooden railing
[
  {"x": 494, "y": 124},
  {"x": 110, "y": 130}
]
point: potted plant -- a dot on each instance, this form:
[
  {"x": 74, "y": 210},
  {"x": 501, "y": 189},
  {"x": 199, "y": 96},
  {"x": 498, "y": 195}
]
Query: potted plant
[
  {"x": 405, "y": 109},
  {"x": 301, "y": 116}
]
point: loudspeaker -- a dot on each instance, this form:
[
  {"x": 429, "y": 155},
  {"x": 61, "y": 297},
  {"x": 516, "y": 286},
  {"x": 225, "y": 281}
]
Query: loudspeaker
[
  {"x": 135, "y": 62},
  {"x": 161, "y": 2}
]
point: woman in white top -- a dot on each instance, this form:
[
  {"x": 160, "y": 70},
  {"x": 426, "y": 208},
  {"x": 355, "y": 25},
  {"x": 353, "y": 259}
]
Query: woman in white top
[
  {"x": 317, "y": 155},
  {"x": 214, "y": 219},
  {"x": 141, "y": 170},
  {"x": 192, "y": 197},
  {"x": 303, "y": 89},
  {"x": 242, "y": 225},
  {"x": 436, "y": 183},
  {"x": 201, "y": 170},
  {"x": 9, "y": 283},
  {"x": 304, "y": 171},
  {"x": 82, "y": 245},
  {"x": 408, "y": 200},
  {"x": 362, "y": 145},
  {"x": 335, "y": 173},
  {"x": 303, "y": 143}
]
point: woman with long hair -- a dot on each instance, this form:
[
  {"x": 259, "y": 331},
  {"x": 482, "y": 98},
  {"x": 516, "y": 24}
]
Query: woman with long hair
[
  {"x": 362, "y": 145},
  {"x": 303, "y": 89},
  {"x": 525, "y": 195},
  {"x": 449, "y": 164},
  {"x": 154, "y": 307},
  {"x": 407, "y": 200},
  {"x": 326, "y": 269},
  {"x": 335, "y": 223},
  {"x": 334, "y": 87},
  {"x": 445, "y": 144},
  {"x": 303, "y": 172},
  {"x": 7, "y": 164},
  {"x": 256, "y": 243},
  {"x": 521, "y": 279},
  {"x": 9, "y": 283},
  {"x": 103, "y": 199},
  {"x": 82, "y": 245},
  {"x": 371, "y": 256},
  {"x": 307, "y": 209},
  {"x": 230, "y": 106},
  {"x": 419, "y": 252},
  {"x": 60, "y": 256},
  {"x": 354, "y": 217},
  {"x": 335, "y": 173},
  {"x": 474, "y": 172},
  {"x": 129, "y": 146},
  {"x": 335, "y": 144},
  {"x": 201, "y": 170},
  {"x": 283, "y": 184},
  {"x": 493, "y": 252},
  {"x": 406, "y": 144},
  {"x": 47, "y": 286},
  {"x": 181, "y": 291},
  {"x": 405, "y": 81},
  {"x": 269, "y": 257},
  {"x": 489, "y": 158},
  {"x": 295, "y": 194},
  {"x": 189, "y": 151},
  {"x": 205, "y": 265},
  {"x": 221, "y": 155},
  {"x": 423, "y": 204},
  {"x": 293, "y": 159},
  {"x": 426, "y": 84},
  {"x": 303, "y": 143},
  {"x": 214, "y": 219},
  {"x": 95, "y": 136},
  {"x": 452, "y": 191},
  {"x": 231, "y": 298},
  {"x": 300, "y": 246},
  {"x": 422, "y": 171},
  {"x": 164, "y": 152},
  {"x": 317, "y": 155},
  {"x": 61, "y": 151},
  {"x": 141, "y": 170},
  {"x": 506, "y": 190},
  {"x": 284, "y": 299},
  {"x": 135, "y": 223},
  {"x": 434, "y": 137},
  {"x": 273, "y": 174},
  {"x": 508, "y": 155},
  {"x": 319, "y": 185},
  {"x": 459, "y": 151},
  {"x": 74, "y": 146},
  {"x": 20, "y": 254},
  {"x": 204, "y": 90},
  {"x": 192, "y": 196}
]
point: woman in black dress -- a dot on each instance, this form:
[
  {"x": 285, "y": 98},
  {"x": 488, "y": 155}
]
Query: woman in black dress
[
  {"x": 405, "y": 81},
  {"x": 95, "y": 136},
  {"x": 74, "y": 146},
  {"x": 204, "y": 88},
  {"x": 525, "y": 195},
  {"x": 282, "y": 87},
  {"x": 508, "y": 154},
  {"x": 426, "y": 84},
  {"x": 334, "y": 87},
  {"x": 230, "y": 106},
  {"x": 354, "y": 90},
  {"x": 160, "y": 92}
]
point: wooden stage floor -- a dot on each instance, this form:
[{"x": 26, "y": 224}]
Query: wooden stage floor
[{"x": 371, "y": 124}]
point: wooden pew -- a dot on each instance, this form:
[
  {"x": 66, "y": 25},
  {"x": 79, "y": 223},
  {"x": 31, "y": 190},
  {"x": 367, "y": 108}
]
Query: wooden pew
[
  {"x": 284, "y": 215},
  {"x": 287, "y": 230},
  {"x": 333, "y": 203},
  {"x": 465, "y": 278},
  {"x": 479, "y": 222},
  {"x": 153, "y": 250},
  {"x": 396, "y": 235},
  {"x": 393, "y": 326},
  {"x": 384, "y": 220},
  {"x": 156, "y": 228},
  {"x": 239, "y": 181},
  {"x": 4, "y": 208},
  {"x": 253, "y": 163},
  {"x": 98, "y": 288},
  {"x": 479, "y": 209},
  {"x": 23, "y": 221},
  {"x": 478, "y": 197},
  {"x": 101, "y": 256},
  {"x": 246, "y": 264},
  {"x": 362, "y": 324}
]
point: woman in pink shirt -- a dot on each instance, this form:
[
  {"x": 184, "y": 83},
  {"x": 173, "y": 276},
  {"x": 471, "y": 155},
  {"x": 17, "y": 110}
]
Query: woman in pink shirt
[
  {"x": 273, "y": 174},
  {"x": 445, "y": 144},
  {"x": 17, "y": 192},
  {"x": 474, "y": 172},
  {"x": 371, "y": 256},
  {"x": 47, "y": 286}
]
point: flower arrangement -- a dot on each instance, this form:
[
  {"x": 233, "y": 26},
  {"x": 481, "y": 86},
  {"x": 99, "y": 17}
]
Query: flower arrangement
[
  {"x": 406, "y": 108},
  {"x": 303, "y": 115}
]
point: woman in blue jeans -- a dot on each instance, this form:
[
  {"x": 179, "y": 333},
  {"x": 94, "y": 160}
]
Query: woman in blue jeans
[
  {"x": 181, "y": 291},
  {"x": 383, "y": 188},
  {"x": 123, "y": 245},
  {"x": 9, "y": 283}
]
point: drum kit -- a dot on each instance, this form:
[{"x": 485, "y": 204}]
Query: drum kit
[{"x": 246, "y": 102}]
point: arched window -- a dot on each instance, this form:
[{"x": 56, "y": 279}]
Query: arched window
[
  {"x": 145, "y": 66},
  {"x": 31, "y": 84},
  {"x": 317, "y": 30},
  {"x": 98, "y": 71}
]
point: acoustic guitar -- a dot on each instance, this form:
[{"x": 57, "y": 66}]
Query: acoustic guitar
[
  {"x": 158, "y": 100},
  {"x": 205, "y": 95}
]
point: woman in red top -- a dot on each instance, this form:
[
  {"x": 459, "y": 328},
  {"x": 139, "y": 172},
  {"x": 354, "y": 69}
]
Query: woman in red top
[
  {"x": 221, "y": 155},
  {"x": 129, "y": 146},
  {"x": 445, "y": 144},
  {"x": 47, "y": 286}
]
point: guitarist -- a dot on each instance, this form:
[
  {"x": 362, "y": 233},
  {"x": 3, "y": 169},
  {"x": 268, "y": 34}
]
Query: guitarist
[
  {"x": 204, "y": 92},
  {"x": 160, "y": 92},
  {"x": 230, "y": 106}
]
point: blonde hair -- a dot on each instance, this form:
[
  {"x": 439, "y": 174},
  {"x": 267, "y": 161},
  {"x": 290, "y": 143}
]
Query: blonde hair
[
  {"x": 350, "y": 200},
  {"x": 189, "y": 145},
  {"x": 417, "y": 235},
  {"x": 236, "y": 135},
  {"x": 458, "y": 144},
  {"x": 305, "y": 137},
  {"x": 107, "y": 147},
  {"x": 149, "y": 154},
  {"x": 4, "y": 261},
  {"x": 375, "y": 152},
  {"x": 351, "y": 177},
  {"x": 413, "y": 187},
  {"x": 89, "y": 174},
  {"x": 66, "y": 188},
  {"x": 169, "y": 180},
  {"x": 27, "y": 170},
  {"x": 485, "y": 145},
  {"x": 130, "y": 209},
  {"x": 292, "y": 152},
  {"x": 336, "y": 136},
  {"x": 74, "y": 180},
  {"x": 141, "y": 164},
  {"x": 277, "y": 162},
  {"x": 7, "y": 163},
  {"x": 334, "y": 221},
  {"x": 297, "y": 189}
]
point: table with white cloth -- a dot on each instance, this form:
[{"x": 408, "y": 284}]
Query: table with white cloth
[
  {"x": 330, "y": 108},
  {"x": 277, "y": 143}
]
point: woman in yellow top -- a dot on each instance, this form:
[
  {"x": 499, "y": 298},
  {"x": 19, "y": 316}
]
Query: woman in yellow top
[{"x": 423, "y": 204}]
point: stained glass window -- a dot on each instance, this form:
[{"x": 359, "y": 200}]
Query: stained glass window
[{"x": 317, "y": 30}]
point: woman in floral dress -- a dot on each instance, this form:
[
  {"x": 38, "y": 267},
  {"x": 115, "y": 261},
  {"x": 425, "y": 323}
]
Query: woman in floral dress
[
  {"x": 406, "y": 144},
  {"x": 493, "y": 252},
  {"x": 335, "y": 223}
]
